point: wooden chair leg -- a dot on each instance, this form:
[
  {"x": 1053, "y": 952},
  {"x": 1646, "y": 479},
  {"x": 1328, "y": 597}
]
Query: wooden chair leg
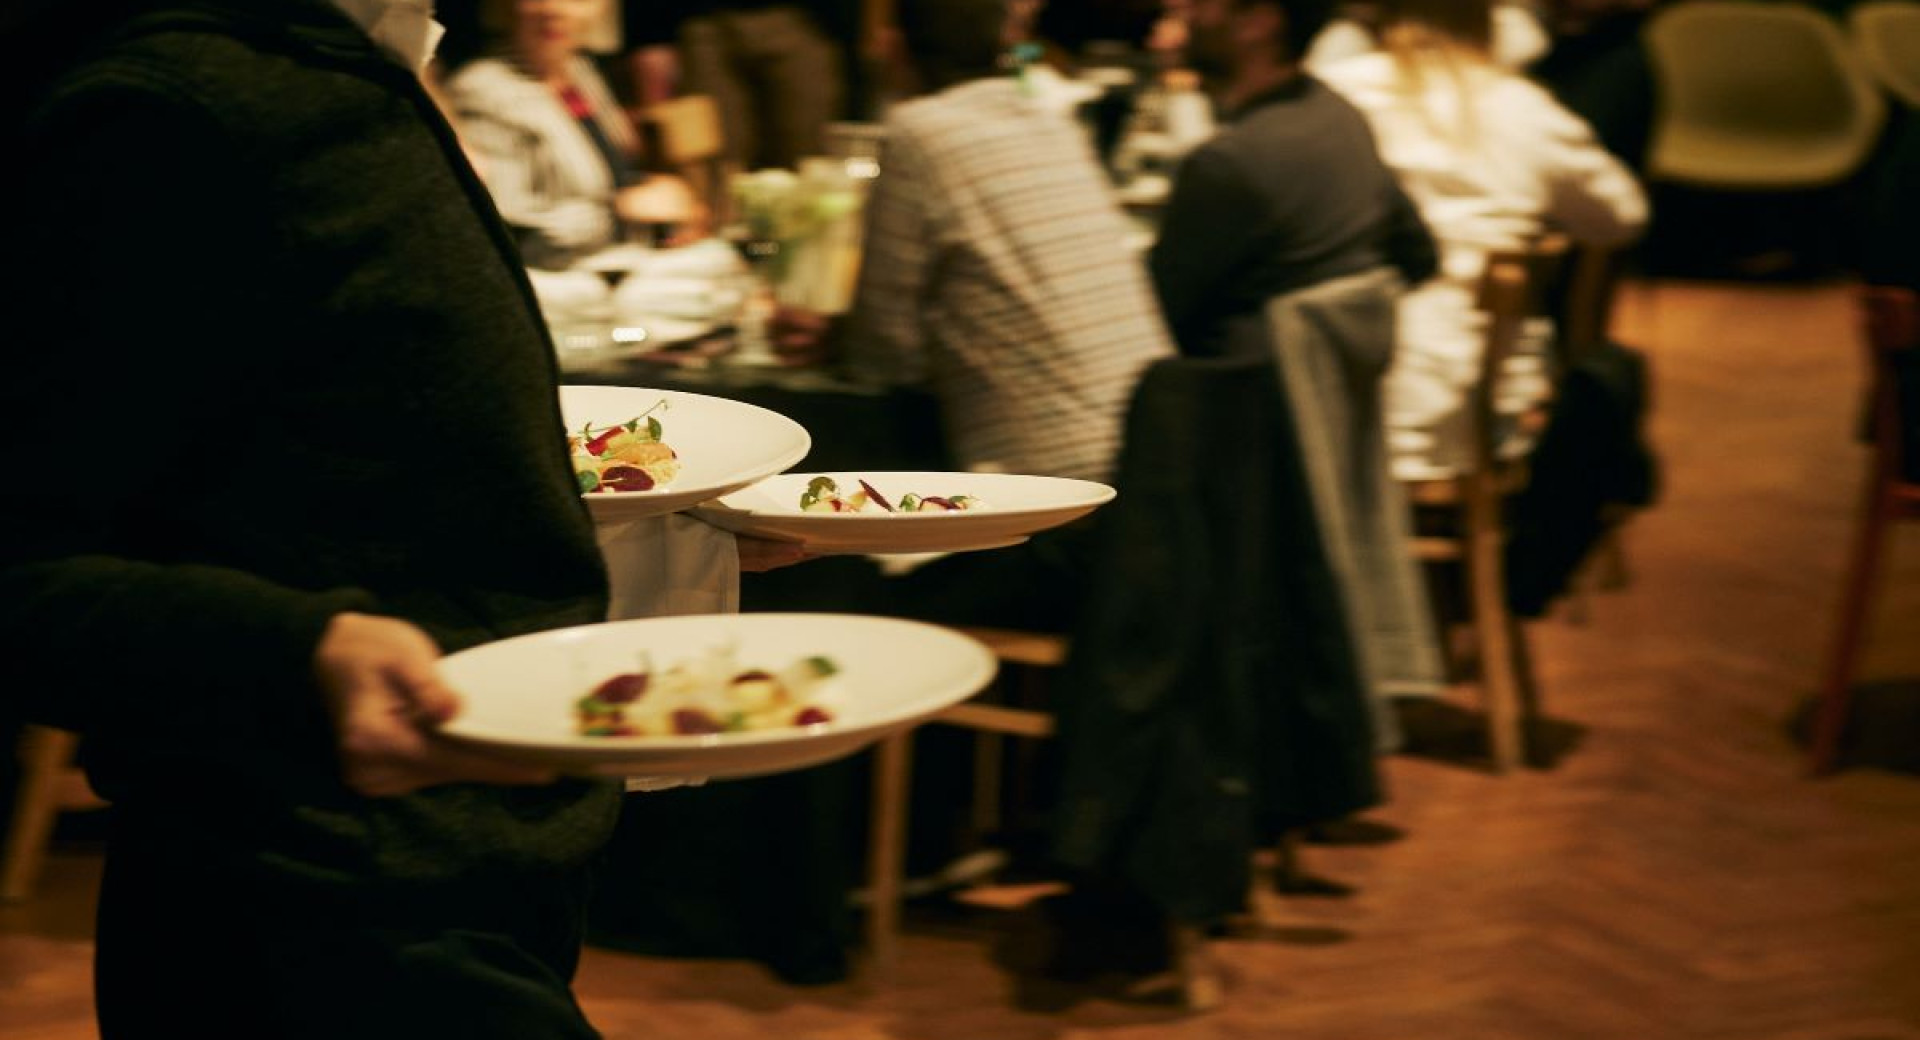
[
  {"x": 45, "y": 754},
  {"x": 1492, "y": 625},
  {"x": 988, "y": 758},
  {"x": 1834, "y": 700},
  {"x": 1201, "y": 986},
  {"x": 887, "y": 847}
]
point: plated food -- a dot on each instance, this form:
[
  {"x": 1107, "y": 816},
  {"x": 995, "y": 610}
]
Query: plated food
[
  {"x": 629, "y": 456},
  {"x": 998, "y": 509},
  {"x": 823, "y": 496},
  {"x": 689, "y": 447},
  {"x": 709, "y": 693},
  {"x": 521, "y": 697}
]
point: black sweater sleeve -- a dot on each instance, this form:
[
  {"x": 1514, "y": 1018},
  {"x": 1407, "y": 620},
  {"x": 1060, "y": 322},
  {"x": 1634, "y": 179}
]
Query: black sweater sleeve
[{"x": 135, "y": 219}]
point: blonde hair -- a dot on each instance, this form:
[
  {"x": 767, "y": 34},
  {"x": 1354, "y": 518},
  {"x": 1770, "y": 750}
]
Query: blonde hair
[{"x": 1441, "y": 42}]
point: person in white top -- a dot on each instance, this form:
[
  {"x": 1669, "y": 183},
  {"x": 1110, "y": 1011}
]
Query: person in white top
[
  {"x": 558, "y": 154},
  {"x": 1519, "y": 35},
  {"x": 1491, "y": 160}
]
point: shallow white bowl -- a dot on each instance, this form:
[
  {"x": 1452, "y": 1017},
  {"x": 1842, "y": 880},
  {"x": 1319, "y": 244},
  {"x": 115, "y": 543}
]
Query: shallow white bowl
[
  {"x": 723, "y": 445},
  {"x": 518, "y": 694},
  {"x": 1015, "y": 507}
]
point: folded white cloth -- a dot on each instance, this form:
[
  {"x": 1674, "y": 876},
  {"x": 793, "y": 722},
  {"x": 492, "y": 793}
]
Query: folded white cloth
[
  {"x": 570, "y": 295},
  {"x": 709, "y": 258},
  {"x": 672, "y": 564}
]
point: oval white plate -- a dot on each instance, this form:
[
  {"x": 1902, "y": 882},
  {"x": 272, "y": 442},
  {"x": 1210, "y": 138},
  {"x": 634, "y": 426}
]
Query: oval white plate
[
  {"x": 723, "y": 445},
  {"x": 1015, "y": 506},
  {"x": 518, "y": 694}
]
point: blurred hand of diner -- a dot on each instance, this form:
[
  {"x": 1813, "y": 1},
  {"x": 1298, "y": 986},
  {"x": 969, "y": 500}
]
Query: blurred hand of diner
[
  {"x": 382, "y": 690},
  {"x": 802, "y": 337},
  {"x": 664, "y": 200}
]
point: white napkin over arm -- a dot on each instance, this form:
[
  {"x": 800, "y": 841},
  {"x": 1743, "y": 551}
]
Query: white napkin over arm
[{"x": 666, "y": 565}]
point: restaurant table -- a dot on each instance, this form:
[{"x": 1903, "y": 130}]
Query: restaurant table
[{"x": 855, "y": 424}]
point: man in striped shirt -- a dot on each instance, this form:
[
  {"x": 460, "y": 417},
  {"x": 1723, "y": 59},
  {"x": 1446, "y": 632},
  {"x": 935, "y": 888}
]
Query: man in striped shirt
[{"x": 996, "y": 269}]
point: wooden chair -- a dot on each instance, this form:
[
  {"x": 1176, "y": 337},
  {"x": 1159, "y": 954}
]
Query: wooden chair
[
  {"x": 893, "y": 775},
  {"x": 692, "y": 140},
  {"x": 1891, "y": 317},
  {"x": 1472, "y": 503},
  {"x": 1034, "y": 653},
  {"x": 50, "y": 784}
]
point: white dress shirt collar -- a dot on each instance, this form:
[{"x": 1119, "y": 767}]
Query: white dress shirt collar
[{"x": 404, "y": 29}]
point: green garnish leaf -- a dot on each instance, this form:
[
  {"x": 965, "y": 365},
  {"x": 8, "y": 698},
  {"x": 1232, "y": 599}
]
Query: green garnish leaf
[
  {"x": 587, "y": 479},
  {"x": 593, "y": 708},
  {"x": 822, "y": 666},
  {"x": 654, "y": 429},
  {"x": 817, "y": 488}
]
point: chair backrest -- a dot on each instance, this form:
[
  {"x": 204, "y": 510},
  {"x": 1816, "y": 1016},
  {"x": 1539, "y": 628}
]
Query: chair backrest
[
  {"x": 1582, "y": 301},
  {"x": 690, "y": 128},
  {"x": 1886, "y": 34},
  {"x": 1513, "y": 289},
  {"x": 1890, "y": 319},
  {"x": 693, "y": 140},
  {"x": 1757, "y": 94}
]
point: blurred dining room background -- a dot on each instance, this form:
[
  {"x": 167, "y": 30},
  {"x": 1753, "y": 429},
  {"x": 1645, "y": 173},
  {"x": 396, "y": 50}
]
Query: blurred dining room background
[{"x": 1668, "y": 784}]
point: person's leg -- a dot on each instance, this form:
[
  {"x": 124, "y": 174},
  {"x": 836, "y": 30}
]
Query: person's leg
[{"x": 802, "y": 81}]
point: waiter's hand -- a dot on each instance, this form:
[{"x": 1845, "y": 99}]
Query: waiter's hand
[
  {"x": 765, "y": 554},
  {"x": 386, "y": 698}
]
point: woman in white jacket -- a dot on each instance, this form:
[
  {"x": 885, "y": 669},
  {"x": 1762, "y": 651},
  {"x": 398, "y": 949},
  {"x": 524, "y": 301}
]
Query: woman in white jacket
[
  {"x": 557, "y": 152},
  {"x": 1491, "y": 160}
]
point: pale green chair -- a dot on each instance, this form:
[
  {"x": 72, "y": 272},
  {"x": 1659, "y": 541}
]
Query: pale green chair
[
  {"x": 1886, "y": 33},
  {"x": 1757, "y": 96}
]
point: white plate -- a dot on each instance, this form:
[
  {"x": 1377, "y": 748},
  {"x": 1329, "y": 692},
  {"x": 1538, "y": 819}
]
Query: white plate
[
  {"x": 1014, "y": 507},
  {"x": 723, "y": 445},
  {"x": 698, "y": 298},
  {"x": 518, "y": 694}
]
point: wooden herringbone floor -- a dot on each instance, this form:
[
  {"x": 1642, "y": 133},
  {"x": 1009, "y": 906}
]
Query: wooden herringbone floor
[{"x": 1672, "y": 875}]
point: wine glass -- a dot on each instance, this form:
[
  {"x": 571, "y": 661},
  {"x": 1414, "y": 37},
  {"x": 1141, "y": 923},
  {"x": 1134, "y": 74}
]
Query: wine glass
[{"x": 761, "y": 252}]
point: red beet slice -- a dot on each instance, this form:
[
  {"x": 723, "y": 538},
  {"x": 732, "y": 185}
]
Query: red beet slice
[
  {"x": 622, "y": 689},
  {"x": 625, "y": 478},
  {"x": 693, "y": 720},
  {"x": 877, "y": 496}
]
